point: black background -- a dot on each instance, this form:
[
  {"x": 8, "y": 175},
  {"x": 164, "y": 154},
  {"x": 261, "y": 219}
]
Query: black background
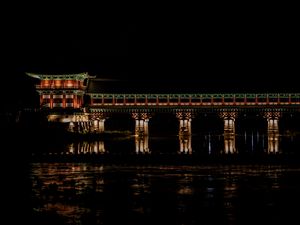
[
  {"x": 244, "y": 51},
  {"x": 238, "y": 50}
]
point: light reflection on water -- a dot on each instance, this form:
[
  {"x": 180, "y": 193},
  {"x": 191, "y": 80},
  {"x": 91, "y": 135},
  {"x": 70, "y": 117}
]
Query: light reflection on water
[
  {"x": 84, "y": 193},
  {"x": 227, "y": 144},
  {"x": 157, "y": 193},
  {"x": 85, "y": 147}
]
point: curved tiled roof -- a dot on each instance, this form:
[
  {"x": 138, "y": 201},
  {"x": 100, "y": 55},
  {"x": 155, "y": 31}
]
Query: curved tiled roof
[{"x": 80, "y": 76}]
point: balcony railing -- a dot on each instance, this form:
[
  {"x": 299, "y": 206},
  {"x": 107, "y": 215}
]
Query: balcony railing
[
  {"x": 57, "y": 105},
  {"x": 60, "y": 87}
]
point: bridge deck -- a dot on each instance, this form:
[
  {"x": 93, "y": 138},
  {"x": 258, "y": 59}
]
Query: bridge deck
[{"x": 195, "y": 101}]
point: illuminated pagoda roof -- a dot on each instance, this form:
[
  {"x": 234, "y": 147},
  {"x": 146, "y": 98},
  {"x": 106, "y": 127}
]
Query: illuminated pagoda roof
[{"x": 72, "y": 76}]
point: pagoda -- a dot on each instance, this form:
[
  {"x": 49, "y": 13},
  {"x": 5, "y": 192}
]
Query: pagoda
[{"x": 61, "y": 91}]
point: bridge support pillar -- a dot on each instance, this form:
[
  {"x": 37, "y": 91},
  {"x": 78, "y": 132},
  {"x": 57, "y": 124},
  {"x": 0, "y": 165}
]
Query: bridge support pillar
[
  {"x": 229, "y": 131},
  {"x": 141, "y": 123},
  {"x": 185, "y": 131},
  {"x": 273, "y": 131},
  {"x": 98, "y": 122},
  {"x": 273, "y": 119},
  {"x": 99, "y": 125},
  {"x": 78, "y": 124},
  {"x": 185, "y": 122}
]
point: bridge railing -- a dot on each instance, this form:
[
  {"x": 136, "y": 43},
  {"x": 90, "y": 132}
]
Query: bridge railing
[{"x": 194, "y": 99}]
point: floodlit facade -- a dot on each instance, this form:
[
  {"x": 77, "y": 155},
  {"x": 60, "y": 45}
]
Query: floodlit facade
[
  {"x": 61, "y": 91},
  {"x": 84, "y": 102}
]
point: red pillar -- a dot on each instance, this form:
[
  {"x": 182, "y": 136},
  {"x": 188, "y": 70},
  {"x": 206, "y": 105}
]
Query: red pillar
[
  {"x": 78, "y": 101},
  {"x": 51, "y": 101},
  {"x": 41, "y": 99},
  {"x": 113, "y": 100},
  {"x": 75, "y": 101},
  {"x": 64, "y": 101}
]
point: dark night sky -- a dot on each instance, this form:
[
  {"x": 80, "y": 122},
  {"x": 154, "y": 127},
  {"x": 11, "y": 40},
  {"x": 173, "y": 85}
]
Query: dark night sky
[
  {"x": 225, "y": 54},
  {"x": 194, "y": 47}
]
